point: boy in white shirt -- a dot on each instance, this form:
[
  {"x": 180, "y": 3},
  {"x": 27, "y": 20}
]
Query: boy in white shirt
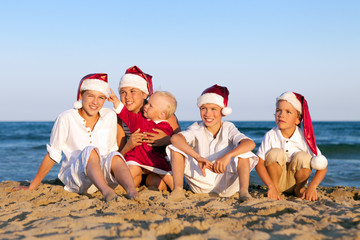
[
  {"x": 87, "y": 137},
  {"x": 212, "y": 154},
  {"x": 290, "y": 153}
]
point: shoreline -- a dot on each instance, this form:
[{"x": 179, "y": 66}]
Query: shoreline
[{"x": 50, "y": 211}]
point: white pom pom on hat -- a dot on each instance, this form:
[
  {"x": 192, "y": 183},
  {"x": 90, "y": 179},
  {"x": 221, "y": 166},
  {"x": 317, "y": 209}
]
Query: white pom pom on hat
[
  {"x": 77, "y": 105},
  {"x": 319, "y": 162},
  {"x": 95, "y": 81},
  {"x": 218, "y": 95}
]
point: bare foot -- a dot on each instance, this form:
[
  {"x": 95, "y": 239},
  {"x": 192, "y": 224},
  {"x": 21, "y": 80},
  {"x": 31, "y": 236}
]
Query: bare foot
[
  {"x": 244, "y": 196},
  {"x": 111, "y": 195},
  {"x": 132, "y": 194},
  {"x": 177, "y": 195},
  {"x": 299, "y": 191}
]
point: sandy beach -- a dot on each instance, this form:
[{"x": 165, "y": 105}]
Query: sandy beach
[{"x": 50, "y": 212}]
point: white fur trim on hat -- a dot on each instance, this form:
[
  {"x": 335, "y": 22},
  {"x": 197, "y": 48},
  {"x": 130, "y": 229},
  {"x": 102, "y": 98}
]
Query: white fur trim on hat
[
  {"x": 292, "y": 99},
  {"x": 95, "y": 85},
  {"x": 319, "y": 162},
  {"x": 133, "y": 80},
  {"x": 210, "y": 98}
]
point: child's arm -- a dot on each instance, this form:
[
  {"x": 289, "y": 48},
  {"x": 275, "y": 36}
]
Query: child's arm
[
  {"x": 160, "y": 138},
  {"x": 114, "y": 99},
  {"x": 179, "y": 141},
  {"x": 311, "y": 193},
  {"x": 134, "y": 141},
  {"x": 45, "y": 167},
  {"x": 174, "y": 123},
  {"x": 272, "y": 193},
  {"x": 244, "y": 146}
]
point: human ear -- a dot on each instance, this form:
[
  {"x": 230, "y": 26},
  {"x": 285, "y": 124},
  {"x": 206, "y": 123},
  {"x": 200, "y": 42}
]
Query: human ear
[{"x": 145, "y": 96}]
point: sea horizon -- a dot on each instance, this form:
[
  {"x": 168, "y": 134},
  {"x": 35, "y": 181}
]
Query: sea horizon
[{"x": 23, "y": 146}]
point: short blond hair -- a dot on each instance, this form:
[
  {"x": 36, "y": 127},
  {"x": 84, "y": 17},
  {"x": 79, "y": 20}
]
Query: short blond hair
[{"x": 170, "y": 103}]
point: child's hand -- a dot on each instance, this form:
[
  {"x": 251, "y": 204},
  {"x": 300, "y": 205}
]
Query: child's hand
[
  {"x": 221, "y": 163},
  {"x": 273, "y": 194},
  {"x": 158, "y": 139},
  {"x": 113, "y": 98},
  {"x": 135, "y": 139},
  {"x": 310, "y": 194},
  {"x": 20, "y": 188},
  {"x": 204, "y": 164}
]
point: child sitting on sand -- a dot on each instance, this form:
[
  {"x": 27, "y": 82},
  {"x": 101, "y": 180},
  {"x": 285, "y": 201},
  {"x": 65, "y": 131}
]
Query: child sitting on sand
[
  {"x": 87, "y": 137},
  {"x": 143, "y": 159},
  {"x": 290, "y": 153},
  {"x": 212, "y": 154}
]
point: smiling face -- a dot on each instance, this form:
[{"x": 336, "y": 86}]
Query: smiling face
[
  {"x": 286, "y": 118},
  {"x": 92, "y": 102},
  {"x": 211, "y": 115},
  {"x": 132, "y": 98}
]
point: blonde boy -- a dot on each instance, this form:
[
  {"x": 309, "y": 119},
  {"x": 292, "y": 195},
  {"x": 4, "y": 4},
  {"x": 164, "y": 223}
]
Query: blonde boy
[
  {"x": 86, "y": 135},
  {"x": 144, "y": 159},
  {"x": 212, "y": 154},
  {"x": 290, "y": 153}
]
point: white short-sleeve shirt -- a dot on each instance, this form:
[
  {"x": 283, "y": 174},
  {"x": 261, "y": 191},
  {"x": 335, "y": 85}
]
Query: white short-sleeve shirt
[
  {"x": 204, "y": 143},
  {"x": 70, "y": 136},
  {"x": 292, "y": 145}
]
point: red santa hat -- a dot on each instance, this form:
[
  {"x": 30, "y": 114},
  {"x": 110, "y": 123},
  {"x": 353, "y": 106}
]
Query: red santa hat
[
  {"x": 95, "y": 81},
  {"x": 318, "y": 162},
  {"x": 218, "y": 95},
  {"x": 136, "y": 78}
]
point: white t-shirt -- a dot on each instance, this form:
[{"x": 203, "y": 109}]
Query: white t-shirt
[
  {"x": 70, "y": 136},
  {"x": 294, "y": 144}
]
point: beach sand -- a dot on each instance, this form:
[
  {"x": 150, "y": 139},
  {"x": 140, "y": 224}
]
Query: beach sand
[{"x": 50, "y": 212}]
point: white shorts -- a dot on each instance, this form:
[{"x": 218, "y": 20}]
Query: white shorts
[
  {"x": 225, "y": 184},
  {"x": 75, "y": 178}
]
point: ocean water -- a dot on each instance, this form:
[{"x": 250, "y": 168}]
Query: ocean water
[{"x": 23, "y": 146}]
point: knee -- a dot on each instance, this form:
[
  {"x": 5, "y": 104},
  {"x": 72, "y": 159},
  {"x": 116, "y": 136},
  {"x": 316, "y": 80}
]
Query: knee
[
  {"x": 94, "y": 156},
  {"x": 275, "y": 155},
  {"x": 176, "y": 156},
  {"x": 153, "y": 180},
  {"x": 117, "y": 160},
  {"x": 243, "y": 162},
  {"x": 300, "y": 160}
]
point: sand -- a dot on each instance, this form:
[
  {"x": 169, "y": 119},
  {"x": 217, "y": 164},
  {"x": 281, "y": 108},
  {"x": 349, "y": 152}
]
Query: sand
[{"x": 50, "y": 212}]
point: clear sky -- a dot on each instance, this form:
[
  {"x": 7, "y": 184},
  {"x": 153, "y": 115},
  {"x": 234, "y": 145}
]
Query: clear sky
[{"x": 258, "y": 49}]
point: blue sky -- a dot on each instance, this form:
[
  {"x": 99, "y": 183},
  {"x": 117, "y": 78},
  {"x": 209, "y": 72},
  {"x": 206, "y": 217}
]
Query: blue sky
[{"x": 258, "y": 49}]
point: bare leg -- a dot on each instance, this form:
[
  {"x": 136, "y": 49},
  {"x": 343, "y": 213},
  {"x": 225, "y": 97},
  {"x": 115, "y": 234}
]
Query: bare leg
[
  {"x": 136, "y": 173},
  {"x": 243, "y": 170},
  {"x": 168, "y": 180},
  {"x": 178, "y": 168},
  {"x": 275, "y": 171},
  {"x": 159, "y": 181},
  {"x": 96, "y": 175},
  {"x": 301, "y": 177},
  {"x": 122, "y": 174}
]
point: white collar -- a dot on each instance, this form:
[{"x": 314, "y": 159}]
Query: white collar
[
  {"x": 296, "y": 137},
  {"x": 158, "y": 121}
]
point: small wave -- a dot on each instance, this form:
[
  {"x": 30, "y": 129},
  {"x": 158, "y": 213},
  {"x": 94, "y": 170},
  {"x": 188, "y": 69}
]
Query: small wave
[{"x": 340, "y": 151}]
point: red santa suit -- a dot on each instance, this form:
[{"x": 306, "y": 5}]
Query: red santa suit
[{"x": 147, "y": 157}]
